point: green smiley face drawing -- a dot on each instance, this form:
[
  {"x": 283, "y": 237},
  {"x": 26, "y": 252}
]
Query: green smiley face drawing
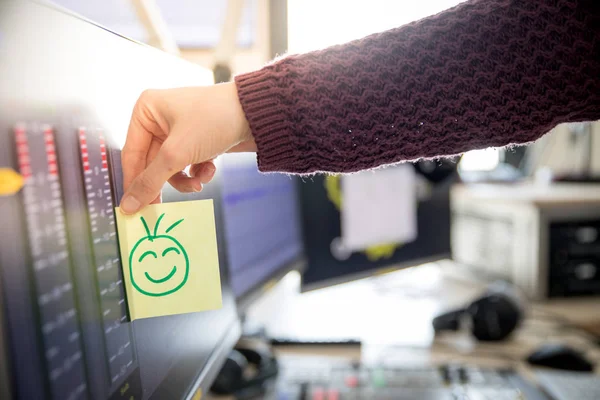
[{"x": 158, "y": 264}]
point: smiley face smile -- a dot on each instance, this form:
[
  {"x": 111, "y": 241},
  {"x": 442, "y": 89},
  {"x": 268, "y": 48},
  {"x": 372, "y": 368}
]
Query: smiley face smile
[{"x": 161, "y": 280}]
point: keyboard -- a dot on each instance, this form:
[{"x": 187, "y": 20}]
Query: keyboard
[
  {"x": 323, "y": 381},
  {"x": 562, "y": 385},
  {"x": 304, "y": 341}
]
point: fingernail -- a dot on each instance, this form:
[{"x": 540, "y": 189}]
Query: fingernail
[
  {"x": 209, "y": 168},
  {"x": 197, "y": 186},
  {"x": 130, "y": 204},
  {"x": 208, "y": 172}
]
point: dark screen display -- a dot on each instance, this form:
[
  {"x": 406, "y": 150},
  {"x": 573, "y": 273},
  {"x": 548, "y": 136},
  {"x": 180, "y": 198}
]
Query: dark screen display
[
  {"x": 49, "y": 260},
  {"x": 327, "y": 265}
]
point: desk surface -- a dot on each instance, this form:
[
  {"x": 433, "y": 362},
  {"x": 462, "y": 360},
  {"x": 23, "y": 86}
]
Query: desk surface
[
  {"x": 393, "y": 308},
  {"x": 392, "y": 316}
]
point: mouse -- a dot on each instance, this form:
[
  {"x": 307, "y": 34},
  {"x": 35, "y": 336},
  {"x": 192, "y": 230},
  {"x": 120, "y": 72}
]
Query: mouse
[{"x": 560, "y": 356}]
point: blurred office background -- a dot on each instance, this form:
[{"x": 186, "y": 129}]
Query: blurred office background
[
  {"x": 450, "y": 217},
  {"x": 518, "y": 226}
]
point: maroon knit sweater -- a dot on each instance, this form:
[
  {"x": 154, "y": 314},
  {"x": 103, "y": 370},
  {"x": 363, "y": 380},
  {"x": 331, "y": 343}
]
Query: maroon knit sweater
[{"x": 484, "y": 73}]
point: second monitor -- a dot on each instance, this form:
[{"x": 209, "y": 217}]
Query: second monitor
[
  {"x": 262, "y": 224},
  {"x": 331, "y": 262}
]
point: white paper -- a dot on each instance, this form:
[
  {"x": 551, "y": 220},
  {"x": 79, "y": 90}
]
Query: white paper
[{"x": 379, "y": 207}]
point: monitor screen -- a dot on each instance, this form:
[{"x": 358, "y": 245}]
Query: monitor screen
[
  {"x": 67, "y": 88},
  {"x": 262, "y": 223},
  {"x": 329, "y": 261}
]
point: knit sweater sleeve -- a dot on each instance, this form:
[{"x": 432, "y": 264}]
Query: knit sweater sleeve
[{"x": 486, "y": 73}]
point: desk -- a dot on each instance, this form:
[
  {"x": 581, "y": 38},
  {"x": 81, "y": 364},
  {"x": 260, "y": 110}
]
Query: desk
[{"x": 392, "y": 314}]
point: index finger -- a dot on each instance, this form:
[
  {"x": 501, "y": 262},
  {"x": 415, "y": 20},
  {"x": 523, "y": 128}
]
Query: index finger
[{"x": 135, "y": 151}]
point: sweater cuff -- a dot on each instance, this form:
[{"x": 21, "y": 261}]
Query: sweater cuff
[{"x": 257, "y": 92}]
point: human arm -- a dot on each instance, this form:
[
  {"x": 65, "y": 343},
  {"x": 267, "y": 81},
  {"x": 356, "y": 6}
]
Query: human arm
[{"x": 483, "y": 74}]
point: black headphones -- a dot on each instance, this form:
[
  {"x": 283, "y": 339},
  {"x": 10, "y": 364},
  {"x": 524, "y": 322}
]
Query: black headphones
[
  {"x": 233, "y": 377},
  {"x": 491, "y": 317}
]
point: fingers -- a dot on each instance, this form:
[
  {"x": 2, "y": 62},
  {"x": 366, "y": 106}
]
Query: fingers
[
  {"x": 184, "y": 183},
  {"x": 135, "y": 151},
  {"x": 157, "y": 200},
  {"x": 143, "y": 128},
  {"x": 204, "y": 171},
  {"x": 199, "y": 174},
  {"x": 146, "y": 187}
]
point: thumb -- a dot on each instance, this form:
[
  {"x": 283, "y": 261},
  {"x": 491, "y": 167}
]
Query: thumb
[{"x": 147, "y": 185}]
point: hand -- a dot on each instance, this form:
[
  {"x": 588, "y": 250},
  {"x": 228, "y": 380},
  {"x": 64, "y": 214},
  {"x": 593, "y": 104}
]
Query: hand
[{"x": 172, "y": 129}]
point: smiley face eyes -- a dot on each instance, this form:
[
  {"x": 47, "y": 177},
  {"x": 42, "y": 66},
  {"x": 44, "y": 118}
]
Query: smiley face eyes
[
  {"x": 168, "y": 249},
  {"x": 147, "y": 253},
  {"x": 164, "y": 253}
]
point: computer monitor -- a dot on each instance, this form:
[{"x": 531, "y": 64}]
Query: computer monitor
[
  {"x": 262, "y": 226},
  {"x": 328, "y": 262},
  {"x": 67, "y": 89}
]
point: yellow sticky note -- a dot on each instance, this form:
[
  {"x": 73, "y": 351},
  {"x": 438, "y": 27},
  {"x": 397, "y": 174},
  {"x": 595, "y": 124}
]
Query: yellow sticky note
[
  {"x": 170, "y": 259},
  {"x": 10, "y": 181}
]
